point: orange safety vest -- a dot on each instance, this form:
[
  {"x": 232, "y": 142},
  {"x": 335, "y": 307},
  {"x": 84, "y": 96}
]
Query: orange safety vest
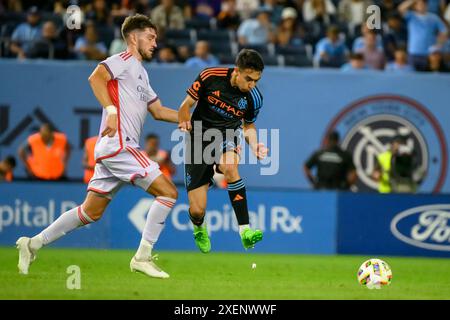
[
  {"x": 9, "y": 176},
  {"x": 165, "y": 169},
  {"x": 89, "y": 146},
  {"x": 46, "y": 162}
]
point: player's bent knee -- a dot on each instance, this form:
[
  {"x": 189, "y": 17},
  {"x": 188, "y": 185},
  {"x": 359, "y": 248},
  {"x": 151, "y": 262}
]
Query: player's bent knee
[
  {"x": 197, "y": 211},
  {"x": 94, "y": 212},
  {"x": 230, "y": 171},
  {"x": 171, "y": 193}
]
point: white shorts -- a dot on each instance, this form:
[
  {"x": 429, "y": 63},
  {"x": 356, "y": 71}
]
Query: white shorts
[{"x": 129, "y": 166}]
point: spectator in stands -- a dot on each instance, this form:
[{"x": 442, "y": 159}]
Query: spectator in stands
[
  {"x": 26, "y": 33},
  {"x": 275, "y": 9},
  {"x": 118, "y": 44},
  {"x": 203, "y": 58},
  {"x": 446, "y": 13},
  {"x": 335, "y": 168},
  {"x": 166, "y": 55},
  {"x": 331, "y": 50},
  {"x": 443, "y": 42},
  {"x": 168, "y": 16},
  {"x": 228, "y": 17},
  {"x": 88, "y": 46},
  {"x": 373, "y": 56},
  {"x": 7, "y": 166},
  {"x": 99, "y": 13},
  {"x": 395, "y": 35},
  {"x": 158, "y": 155},
  {"x": 183, "y": 53},
  {"x": 400, "y": 63},
  {"x": 289, "y": 34},
  {"x": 50, "y": 45},
  {"x": 387, "y": 8},
  {"x": 356, "y": 63},
  {"x": 259, "y": 31},
  {"x": 89, "y": 158},
  {"x": 435, "y": 62},
  {"x": 423, "y": 29},
  {"x": 205, "y": 9},
  {"x": 322, "y": 11},
  {"x": 359, "y": 44},
  {"x": 353, "y": 12},
  {"x": 246, "y": 8},
  {"x": 45, "y": 154}
]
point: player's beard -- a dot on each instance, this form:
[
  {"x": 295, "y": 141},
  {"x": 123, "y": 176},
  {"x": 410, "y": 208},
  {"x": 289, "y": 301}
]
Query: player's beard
[{"x": 146, "y": 55}]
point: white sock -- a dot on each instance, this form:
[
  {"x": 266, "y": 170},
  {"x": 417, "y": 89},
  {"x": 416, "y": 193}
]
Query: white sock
[
  {"x": 144, "y": 251},
  {"x": 66, "y": 222},
  {"x": 242, "y": 228},
  {"x": 154, "y": 225}
]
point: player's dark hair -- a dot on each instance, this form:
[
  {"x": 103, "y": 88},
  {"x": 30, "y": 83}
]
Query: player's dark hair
[
  {"x": 151, "y": 136},
  {"x": 249, "y": 59},
  {"x": 136, "y": 22},
  {"x": 11, "y": 161}
]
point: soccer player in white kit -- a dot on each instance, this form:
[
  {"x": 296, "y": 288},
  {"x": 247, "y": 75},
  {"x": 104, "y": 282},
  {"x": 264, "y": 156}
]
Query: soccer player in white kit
[{"x": 121, "y": 85}]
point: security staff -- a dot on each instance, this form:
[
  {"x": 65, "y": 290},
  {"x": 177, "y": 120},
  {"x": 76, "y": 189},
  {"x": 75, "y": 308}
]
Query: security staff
[
  {"x": 89, "y": 158},
  {"x": 45, "y": 154},
  {"x": 335, "y": 168},
  {"x": 395, "y": 168}
]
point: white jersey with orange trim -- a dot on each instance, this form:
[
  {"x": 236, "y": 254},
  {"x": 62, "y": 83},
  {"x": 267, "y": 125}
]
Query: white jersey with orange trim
[{"x": 130, "y": 91}]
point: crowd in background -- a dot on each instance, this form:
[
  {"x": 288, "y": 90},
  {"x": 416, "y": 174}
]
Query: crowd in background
[{"x": 321, "y": 33}]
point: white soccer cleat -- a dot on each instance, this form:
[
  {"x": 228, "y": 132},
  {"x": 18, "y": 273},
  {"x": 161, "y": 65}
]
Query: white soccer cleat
[
  {"x": 148, "y": 267},
  {"x": 26, "y": 255}
]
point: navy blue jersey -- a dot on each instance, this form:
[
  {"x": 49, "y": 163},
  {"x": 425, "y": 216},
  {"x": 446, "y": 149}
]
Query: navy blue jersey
[{"x": 219, "y": 104}]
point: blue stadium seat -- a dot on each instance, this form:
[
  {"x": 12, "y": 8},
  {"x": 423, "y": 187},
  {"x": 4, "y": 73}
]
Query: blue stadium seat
[
  {"x": 298, "y": 60},
  {"x": 198, "y": 24},
  {"x": 215, "y": 35}
]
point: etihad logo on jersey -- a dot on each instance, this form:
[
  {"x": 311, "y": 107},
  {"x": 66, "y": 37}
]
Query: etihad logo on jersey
[{"x": 224, "y": 106}]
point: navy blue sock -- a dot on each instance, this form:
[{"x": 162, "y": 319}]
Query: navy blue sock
[{"x": 238, "y": 198}]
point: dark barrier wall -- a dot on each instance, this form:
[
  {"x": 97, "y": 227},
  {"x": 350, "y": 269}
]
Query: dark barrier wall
[
  {"x": 293, "y": 222},
  {"x": 367, "y": 109}
]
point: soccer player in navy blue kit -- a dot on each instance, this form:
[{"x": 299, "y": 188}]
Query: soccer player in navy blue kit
[{"x": 227, "y": 100}]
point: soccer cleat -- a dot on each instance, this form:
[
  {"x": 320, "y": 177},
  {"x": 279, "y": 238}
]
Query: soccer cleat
[
  {"x": 148, "y": 267},
  {"x": 202, "y": 239},
  {"x": 249, "y": 237},
  {"x": 26, "y": 255}
]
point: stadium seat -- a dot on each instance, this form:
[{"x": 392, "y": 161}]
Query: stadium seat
[
  {"x": 198, "y": 24},
  {"x": 271, "y": 60},
  {"x": 215, "y": 35},
  {"x": 185, "y": 34},
  {"x": 262, "y": 49},
  {"x": 291, "y": 50},
  {"x": 297, "y": 60},
  {"x": 217, "y": 47}
]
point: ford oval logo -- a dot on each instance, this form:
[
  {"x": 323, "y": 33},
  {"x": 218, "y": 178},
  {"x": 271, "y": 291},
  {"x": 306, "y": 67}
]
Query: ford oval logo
[{"x": 424, "y": 227}]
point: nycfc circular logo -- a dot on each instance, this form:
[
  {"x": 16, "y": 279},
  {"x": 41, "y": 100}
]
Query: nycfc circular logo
[{"x": 367, "y": 126}]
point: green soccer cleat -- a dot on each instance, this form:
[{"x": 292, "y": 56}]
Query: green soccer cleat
[
  {"x": 202, "y": 239},
  {"x": 249, "y": 237}
]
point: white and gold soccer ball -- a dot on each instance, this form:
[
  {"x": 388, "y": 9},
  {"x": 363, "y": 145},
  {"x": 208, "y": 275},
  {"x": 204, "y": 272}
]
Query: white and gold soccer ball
[{"x": 374, "y": 274}]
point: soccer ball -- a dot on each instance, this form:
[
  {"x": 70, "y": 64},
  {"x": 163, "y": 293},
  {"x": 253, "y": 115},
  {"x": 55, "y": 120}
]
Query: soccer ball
[{"x": 374, "y": 273}]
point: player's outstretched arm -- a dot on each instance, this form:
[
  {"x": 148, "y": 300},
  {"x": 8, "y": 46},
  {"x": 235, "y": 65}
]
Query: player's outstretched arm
[
  {"x": 99, "y": 84},
  {"x": 159, "y": 112},
  {"x": 259, "y": 149},
  {"x": 184, "y": 114}
]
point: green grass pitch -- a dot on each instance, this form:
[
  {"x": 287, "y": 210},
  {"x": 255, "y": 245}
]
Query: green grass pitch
[{"x": 105, "y": 274}]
